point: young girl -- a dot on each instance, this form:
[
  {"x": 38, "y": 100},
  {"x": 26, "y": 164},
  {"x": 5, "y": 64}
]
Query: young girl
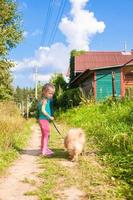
[{"x": 45, "y": 116}]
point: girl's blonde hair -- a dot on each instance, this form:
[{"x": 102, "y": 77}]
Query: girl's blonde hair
[{"x": 46, "y": 87}]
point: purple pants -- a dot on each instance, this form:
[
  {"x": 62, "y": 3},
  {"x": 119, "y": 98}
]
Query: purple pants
[{"x": 45, "y": 131}]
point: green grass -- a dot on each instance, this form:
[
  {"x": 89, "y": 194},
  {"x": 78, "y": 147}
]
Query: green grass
[
  {"x": 7, "y": 156},
  {"x": 87, "y": 174},
  {"x": 29, "y": 181},
  {"x": 31, "y": 193},
  {"x": 14, "y": 133},
  {"x": 109, "y": 125}
]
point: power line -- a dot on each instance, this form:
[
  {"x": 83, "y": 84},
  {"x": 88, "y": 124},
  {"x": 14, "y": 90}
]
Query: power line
[
  {"x": 45, "y": 30},
  {"x": 48, "y": 16},
  {"x": 60, "y": 13}
]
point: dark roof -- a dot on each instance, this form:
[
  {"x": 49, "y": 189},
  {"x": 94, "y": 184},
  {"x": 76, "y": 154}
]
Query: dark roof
[{"x": 96, "y": 60}]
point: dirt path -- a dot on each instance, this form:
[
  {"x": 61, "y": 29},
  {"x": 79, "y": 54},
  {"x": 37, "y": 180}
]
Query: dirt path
[
  {"x": 86, "y": 179},
  {"x": 21, "y": 179}
]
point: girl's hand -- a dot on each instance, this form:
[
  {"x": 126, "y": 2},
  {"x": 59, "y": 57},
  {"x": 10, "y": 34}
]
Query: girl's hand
[{"x": 51, "y": 118}]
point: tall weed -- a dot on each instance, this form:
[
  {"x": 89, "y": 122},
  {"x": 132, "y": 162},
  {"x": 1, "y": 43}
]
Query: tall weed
[{"x": 14, "y": 132}]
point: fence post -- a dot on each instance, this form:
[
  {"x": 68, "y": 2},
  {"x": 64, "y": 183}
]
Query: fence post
[
  {"x": 27, "y": 107},
  {"x": 113, "y": 84}
]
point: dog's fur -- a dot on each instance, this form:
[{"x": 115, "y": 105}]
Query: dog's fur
[{"x": 74, "y": 143}]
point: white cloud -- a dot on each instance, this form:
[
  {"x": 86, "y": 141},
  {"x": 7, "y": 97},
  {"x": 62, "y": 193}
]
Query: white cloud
[
  {"x": 55, "y": 58},
  {"x": 25, "y": 34},
  {"x": 33, "y": 34},
  {"x": 36, "y": 32},
  {"x": 44, "y": 77},
  {"x": 81, "y": 27},
  {"x": 41, "y": 77}
]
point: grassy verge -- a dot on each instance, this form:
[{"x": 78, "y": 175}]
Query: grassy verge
[
  {"x": 14, "y": 133},
  {"x": 109, "y": 126},
  {"x": 88, "y": 175}
]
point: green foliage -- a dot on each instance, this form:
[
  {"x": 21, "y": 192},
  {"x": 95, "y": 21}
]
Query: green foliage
[
  {"x": 72, "y": 62},
  {"x": 110, "y": 125},
  {"x": 68, "y": 99},
  {"x": 60, "y": 86},
  {"x": 21, "y": 94},
  {"x": 10, "y": 33},
  {"x": 6, "y": 89},
  {"x": 24, "y": 96},
  {"x": 59, "y": 82},
  {"x": 10, "y": 36},
  {"x": 64, "y": 98},
  {"x": 33, "y": 111}
]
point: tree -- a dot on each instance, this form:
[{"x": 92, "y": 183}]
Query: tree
[
  {"x": 10, "y": 36},
  {"x": 59, "y": 83},
  {"x": 18, "y": 95},
  {"x": 60, "y": 86},
  {"x": 6, "y": 89},
  {"x": 25, "y": 97},
  {"x": 58, "y": 80}
]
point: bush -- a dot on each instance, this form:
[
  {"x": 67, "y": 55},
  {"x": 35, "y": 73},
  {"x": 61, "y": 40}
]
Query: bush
[{"x": 68, "y": 99}]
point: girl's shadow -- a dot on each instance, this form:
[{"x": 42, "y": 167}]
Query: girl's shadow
[
  {"x": 58, "y": 153},
  {"x": 32, "y": 152}
]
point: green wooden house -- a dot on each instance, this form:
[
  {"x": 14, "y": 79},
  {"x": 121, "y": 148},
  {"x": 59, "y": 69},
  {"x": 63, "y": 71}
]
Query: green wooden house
[{"x": 103, "y": 74}]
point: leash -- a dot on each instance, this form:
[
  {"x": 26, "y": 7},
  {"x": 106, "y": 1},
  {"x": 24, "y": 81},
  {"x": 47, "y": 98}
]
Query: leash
[{"x": 57, "y": 130}]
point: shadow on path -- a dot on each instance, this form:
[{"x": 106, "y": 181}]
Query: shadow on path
[
  {"x": 32, "y": 152},
  {"x": 58, "y": 153}
]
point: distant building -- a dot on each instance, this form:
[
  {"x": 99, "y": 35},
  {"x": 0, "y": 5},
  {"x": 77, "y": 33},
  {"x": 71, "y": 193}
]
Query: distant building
[{"x": 100, "y": 74}]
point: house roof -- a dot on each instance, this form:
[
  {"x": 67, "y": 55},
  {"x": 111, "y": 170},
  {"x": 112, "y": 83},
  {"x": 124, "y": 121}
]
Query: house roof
[
  {"x": 96, "y": 60},
  {"x": 82, "y": 76}
]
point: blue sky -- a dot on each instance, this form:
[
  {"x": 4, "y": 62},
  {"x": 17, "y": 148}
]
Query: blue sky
[{"x": 107, "y": 29}]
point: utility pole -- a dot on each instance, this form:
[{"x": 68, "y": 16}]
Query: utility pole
[
  {"x": 36, "y": 83},
  {"x": 125, "y": 46}
]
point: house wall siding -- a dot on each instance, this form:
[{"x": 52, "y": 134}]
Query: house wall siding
[
  {"x": 87, "y": 87},
  {"x": 104, "y": 83}
]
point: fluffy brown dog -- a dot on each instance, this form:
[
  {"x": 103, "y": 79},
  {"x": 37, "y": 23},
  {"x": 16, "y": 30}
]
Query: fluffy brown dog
[{"x": 74, "y": 143}]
